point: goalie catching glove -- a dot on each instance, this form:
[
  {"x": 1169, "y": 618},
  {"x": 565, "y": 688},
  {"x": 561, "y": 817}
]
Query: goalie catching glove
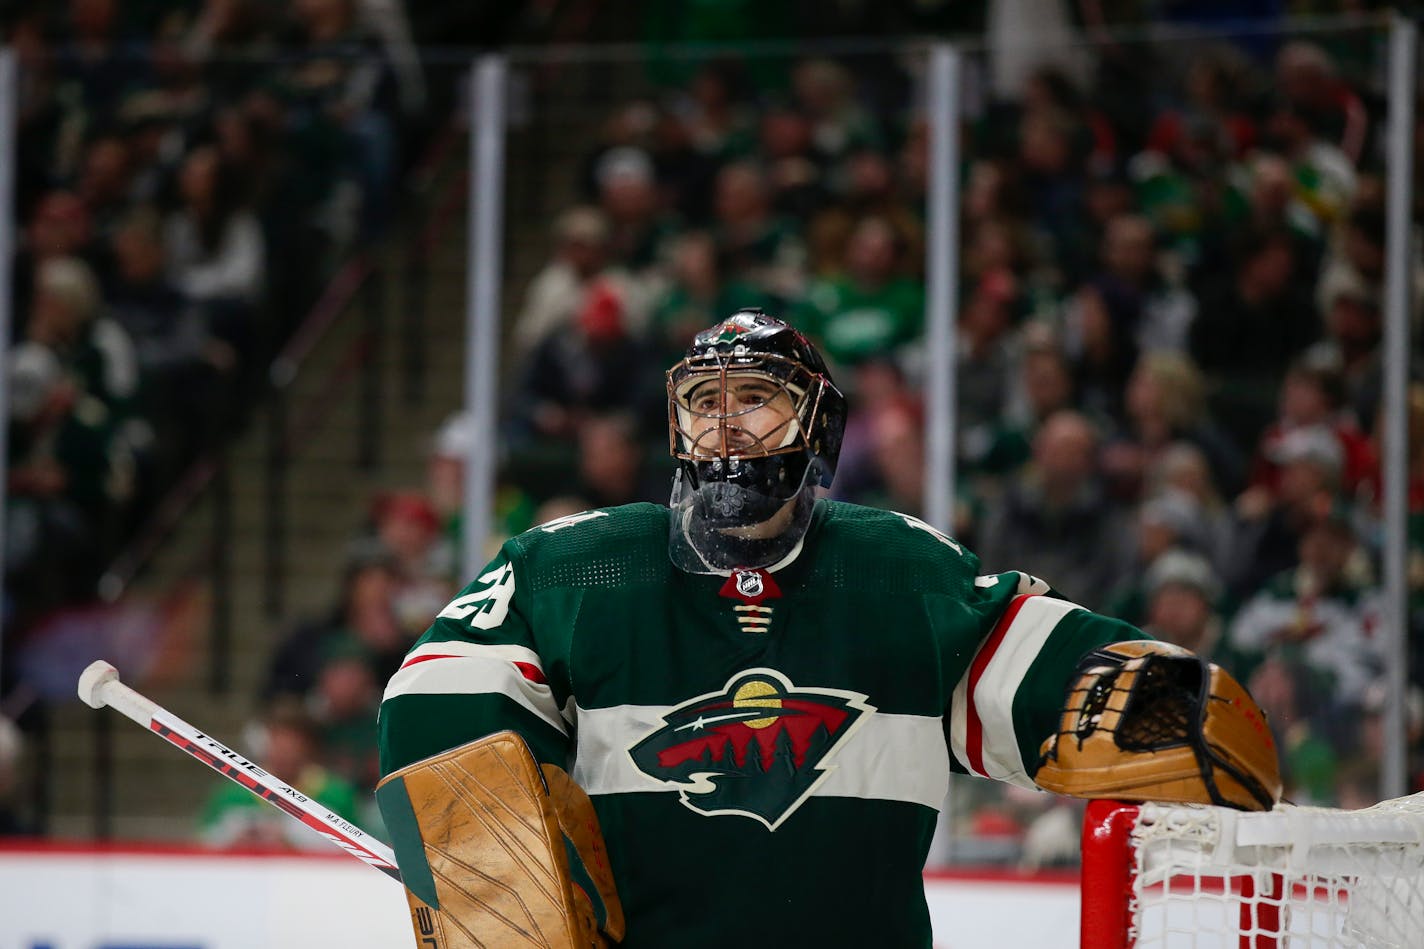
[
  {"x": 1149, "y": 721},
  {"x": 496, "y": 850}
]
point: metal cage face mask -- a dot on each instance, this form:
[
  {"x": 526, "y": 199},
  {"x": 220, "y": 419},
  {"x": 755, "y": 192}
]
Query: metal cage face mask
[{"x": 727, "y": 407}]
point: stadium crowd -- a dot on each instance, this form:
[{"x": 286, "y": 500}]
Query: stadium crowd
[
  {"x": 187, "y": 175},
  {"x": 1169, "y": 334}
]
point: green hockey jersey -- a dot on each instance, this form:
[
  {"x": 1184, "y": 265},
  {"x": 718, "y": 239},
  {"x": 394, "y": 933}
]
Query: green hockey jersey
[{"x": 767, "y": 750}]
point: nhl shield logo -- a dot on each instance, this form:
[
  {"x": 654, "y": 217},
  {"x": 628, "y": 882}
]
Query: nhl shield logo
[
  {"x": 749, "y": 583},
  {"x": 756, "y": 749}
]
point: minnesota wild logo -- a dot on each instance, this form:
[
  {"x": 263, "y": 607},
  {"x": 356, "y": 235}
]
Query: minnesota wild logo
[
  {"x": 730, "y": 331},
  {"x": 757, "y": 749}
]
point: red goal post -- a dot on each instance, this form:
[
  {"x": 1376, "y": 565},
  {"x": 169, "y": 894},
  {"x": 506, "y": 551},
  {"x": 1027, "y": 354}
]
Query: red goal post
[{"x": 1206, "y": 877}]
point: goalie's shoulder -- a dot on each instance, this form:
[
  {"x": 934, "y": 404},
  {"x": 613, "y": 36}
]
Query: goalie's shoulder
[
  {"x": 921, "y": 550},
  {"x": 615, "y": 540}
]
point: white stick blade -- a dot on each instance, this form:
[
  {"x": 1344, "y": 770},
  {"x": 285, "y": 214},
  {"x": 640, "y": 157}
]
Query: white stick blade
[{"x": 92, "y": 682}]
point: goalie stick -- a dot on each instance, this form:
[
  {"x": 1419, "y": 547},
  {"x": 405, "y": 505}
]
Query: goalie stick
[{"x": 99, "y": 685}]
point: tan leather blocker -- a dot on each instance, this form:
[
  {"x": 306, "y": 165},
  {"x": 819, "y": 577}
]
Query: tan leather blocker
[
  {"x": 497, "y": 851},
  {"x": 1149, "y": 721}
]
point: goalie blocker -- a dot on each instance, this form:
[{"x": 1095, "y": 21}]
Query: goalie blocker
[
  {"x": 1149, "y": 721},
  {"x": 495, "y": 850}
]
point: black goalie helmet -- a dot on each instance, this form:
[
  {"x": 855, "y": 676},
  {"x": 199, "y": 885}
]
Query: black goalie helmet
[{"x": 754, "y": 420}]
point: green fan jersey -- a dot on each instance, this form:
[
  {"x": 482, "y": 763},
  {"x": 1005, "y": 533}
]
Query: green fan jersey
[{"x": 767, "y": 750}]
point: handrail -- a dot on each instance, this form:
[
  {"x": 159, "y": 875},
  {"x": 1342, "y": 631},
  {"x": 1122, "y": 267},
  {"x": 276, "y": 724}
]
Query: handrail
[{"x": 333, "y": 301}]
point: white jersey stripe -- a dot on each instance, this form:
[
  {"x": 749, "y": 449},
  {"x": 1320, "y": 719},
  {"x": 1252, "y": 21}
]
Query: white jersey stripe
[
  {"x": 490, "y": 673},
  {"x": 888, "y": 758},
  {"x": 994, "y": 694}
]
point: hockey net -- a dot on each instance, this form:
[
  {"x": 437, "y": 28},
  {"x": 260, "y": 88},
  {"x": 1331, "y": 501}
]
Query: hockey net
[{"x": 1173, "y": 876}]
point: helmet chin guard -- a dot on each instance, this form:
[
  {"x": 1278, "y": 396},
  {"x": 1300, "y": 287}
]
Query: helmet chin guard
[
  {"x": 739, "y": 466},
  {"x": 708, "y": 533}
]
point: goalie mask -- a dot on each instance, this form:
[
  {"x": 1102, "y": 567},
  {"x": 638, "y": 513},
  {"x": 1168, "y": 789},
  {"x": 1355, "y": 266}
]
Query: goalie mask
[{"x": 754, "y": 422}]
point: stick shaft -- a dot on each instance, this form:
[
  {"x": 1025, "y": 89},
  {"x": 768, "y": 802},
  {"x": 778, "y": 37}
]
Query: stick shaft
[{"x": 239, "y": 770}]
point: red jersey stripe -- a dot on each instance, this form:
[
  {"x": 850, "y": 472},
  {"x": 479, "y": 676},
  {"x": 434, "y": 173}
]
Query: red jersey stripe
[
  {"x": 973, "y": 727},
  {"x": 425, "y": 658},
  {"x": 531, "y": 672}
]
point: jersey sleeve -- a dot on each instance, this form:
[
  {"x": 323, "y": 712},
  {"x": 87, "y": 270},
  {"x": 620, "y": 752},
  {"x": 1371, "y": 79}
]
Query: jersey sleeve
[
  {"x": 1011, "y": 696},
  {"x": 477, "y": 670}
]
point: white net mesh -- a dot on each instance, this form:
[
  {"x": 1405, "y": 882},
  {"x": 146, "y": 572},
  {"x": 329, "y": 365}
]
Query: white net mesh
[{"x": 1295, "y": 877}]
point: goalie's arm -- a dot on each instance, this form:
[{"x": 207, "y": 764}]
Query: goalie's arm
[
  {"x": 479, "y": 672},
  {"x": 1010, "y": 696}
]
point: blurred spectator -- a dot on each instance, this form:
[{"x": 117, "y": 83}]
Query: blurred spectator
[
  {"x": 895, "y": 473},
  {"x": 796, "y": 171},
  {"x": 1043, "y": 385},
  {"x": 343, "y": 705},
  {"x": 756, "y": 245},
  {"x": 342, "y": 87},
  {"x": 407, "y": 525},
  {"x": 1312, "y": 397},
  {"x": 214, "y": 245},
  {"x": 825, "y": 94},
  {"x": 598, "y": 365},
  {"x": 1183, "y": 467},
  {"x": 610, "y": 464},
  {"x": 1271, "y": 525},
  {"x": 714, "y": 111},
  {"x": 1302, "y": 724},
  {"x": 105, "y": 180},
  {"x": 12, "y": 747},
  {"x": 95, "y": 57},
  {"x": 364, "y": 613},
  {"x": 1317, "y": 616},
  {"x": 698, "y": 295},
  {"x": 1264, "y": 201},
  {"x": 872, "y": 310},
  {"x": 1325, "y": 176},
  {"x": 1217, "y": 83},
  {"x": 684, "y": 173},
  {"x": 1182, "y": 593},
  {"x": 445, "y": 473},
  {"x": 627, "y": 193},
  {"x": 1054, "y": 519},
  {"x": 67, "y": 478},
  {"x": 553, "y": 295},
  {"x": 1354, "y": 329},
  {"x": 288, "y": 747},
  {"x": 985, "y": 351},
  {"x": 66, "y": 318},
  {"x": 1163, "y": 312},
  {"x": 1050, "y": 158},
  {"x": 60, "y": 226},
  {"x": 1307, "y": 79},
  {"x": 1164, "y": 404},
  {"x": 180, "y": 364},
  {"x": 878, "y": 385},
  {"x": 1250, "y": 325},
  {"x": 1167, "y": 523},
  {"x": 1098, "y": 339}
]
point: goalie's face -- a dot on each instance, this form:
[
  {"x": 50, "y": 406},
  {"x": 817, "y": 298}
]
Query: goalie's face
[{"x": 736, "y": 415}]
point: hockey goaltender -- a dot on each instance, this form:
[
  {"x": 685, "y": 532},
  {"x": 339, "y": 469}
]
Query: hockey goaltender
[{"x": 730, "y": 721}]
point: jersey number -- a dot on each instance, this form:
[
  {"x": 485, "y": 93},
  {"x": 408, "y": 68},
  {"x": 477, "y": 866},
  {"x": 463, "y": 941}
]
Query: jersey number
[
  {"x": 570, "y": 520},
  {"x": 940, "y": 536},
  {"x": 487, "y": 608}
]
